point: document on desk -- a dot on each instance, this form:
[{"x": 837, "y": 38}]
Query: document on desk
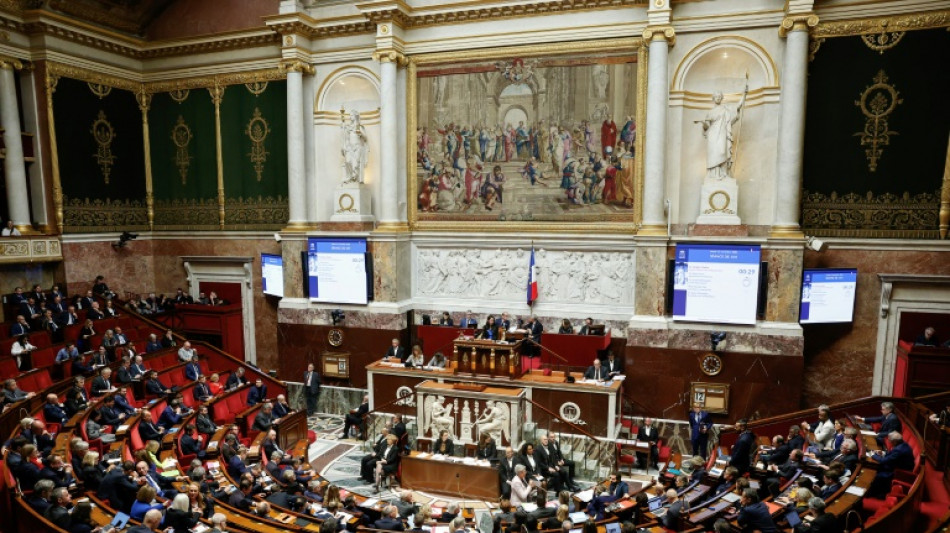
[
  {"x": 585, "y": 495},
  {"x": 369, "y": 503},
  {"x": 857, "y": 491}
]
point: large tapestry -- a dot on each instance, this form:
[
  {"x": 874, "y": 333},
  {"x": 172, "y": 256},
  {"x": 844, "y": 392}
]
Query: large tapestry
[
  {"x": 877, "y": 126},
  {"x": 525, "y": 136}
]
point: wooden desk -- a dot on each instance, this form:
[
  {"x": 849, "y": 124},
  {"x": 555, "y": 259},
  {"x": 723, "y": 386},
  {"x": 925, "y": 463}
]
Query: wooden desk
[
  {"x": 480, "y": 357},
  {"x": 291, "y": 429},
  {"x": 449, "y": 477}
]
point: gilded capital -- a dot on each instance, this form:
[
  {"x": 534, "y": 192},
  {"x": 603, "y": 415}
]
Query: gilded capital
[
  {"x": 391, "y": 56},
  {"x": 10, "y": 63},
  {"x": 803, "y": 22},
  {"x": 144, "y": 100},
  {"x": 295, "y": 65},
  {"x": 660, "y": 33}
]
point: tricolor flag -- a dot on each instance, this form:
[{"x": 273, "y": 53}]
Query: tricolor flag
[{"x": 532, "y": 279}]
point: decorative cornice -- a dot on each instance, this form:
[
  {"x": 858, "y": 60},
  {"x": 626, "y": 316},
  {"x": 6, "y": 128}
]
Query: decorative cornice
[
  {"x": 798, "y": 22},
  {"x": 303, "y": 25},
  {"x": 495, "y": 12},
  {"x": 917, "y": 21},
  {"x": 58, "y": 70},
  {"x": 11, "y": 63},
  {"x": 295, "y": 65},
  {"x": 666, "y": 33},
  {"x": 397, "y": 12}
]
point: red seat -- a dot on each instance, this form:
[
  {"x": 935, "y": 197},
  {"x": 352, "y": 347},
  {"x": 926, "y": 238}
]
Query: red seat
[
  {"x": 8, "y": 368},
  {"x": 222, "y": 414},
  {"x": 44, "y": 357},
  {"x": 40, "y": 339}
]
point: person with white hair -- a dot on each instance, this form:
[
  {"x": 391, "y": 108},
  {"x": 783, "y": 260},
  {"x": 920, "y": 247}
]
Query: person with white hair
[
  {"x": 899, "y": 457},
  {"x": 179, "y": 516},
  {"x": 219, "y": 523},
  {"x": 521, "y": 487}
]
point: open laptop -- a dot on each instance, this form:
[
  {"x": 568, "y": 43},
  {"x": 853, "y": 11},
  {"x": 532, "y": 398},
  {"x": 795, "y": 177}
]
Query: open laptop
[
  {"x": 792, "y": 518},
  {"x": 120, "y": 520},
  {"x": 655, "y": 504},
  {"x": 613, "y": 527}
]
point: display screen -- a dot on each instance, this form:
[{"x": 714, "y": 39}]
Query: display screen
[
  {"x": 337, "y": 270},
  {"x": 272, "y": 274},
  {"x": 828, "y": 295},
  {"x": 716, "y": 283}
]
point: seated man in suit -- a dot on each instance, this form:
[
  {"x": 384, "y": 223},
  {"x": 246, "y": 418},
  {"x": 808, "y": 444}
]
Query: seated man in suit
[
  {"x": 785, "y": 472},
  {"x": 154, "y": 386},
  {"x": 613, "y": 365},
  {"x": 20, "y": 327},
  {"x": 269, "y": 445},
  {"x": 173, "y": 412},
  {"x": 191, "y": 442},
  {"x": 122, "y": 402},
  {"x": 101, "y": 384},
  {"x": 57, "y": 471},
  {"x": 204, "y": 422},
  {"x": 676, "y": 508},
  {"x": 847, "y": 455},
  {"x": 153, "y": 344},
  {"x": 596, "y": 371},
  {"x": 468, "y": 321},
  {"x": 119, "y": 487},
  {"x": 822, "y": 523},
  {"x": 753, "y": 514},
  {"x": 138, "y": 368},
  {"x": 397, "y": 352},
  {"x": 281, "y": 407},
  {"x": 201, "y": 392},
  {"x": 12, "y": 394},
  {"x": 899, "y": 457},
  {"x": 236, "y": 379},
  {"x": 389, "y": 520},
  {"x": 148, "y": 429},
  {"x": 58, "y": 512},
  {"x": 355, "y": 417},
  {"x": 368, "y": 462},
  {"x": 888, "y": 420},
  {"x": 108, "y": 415},
  {"x": 124, "y": 373},
  {"x": 265, "y": 418},
  {"x": 257, "y": 393},
  {"x": 193, "y": 369},
  {"x": 53, "y": 411},
  {"x": 779, "y": 453}
]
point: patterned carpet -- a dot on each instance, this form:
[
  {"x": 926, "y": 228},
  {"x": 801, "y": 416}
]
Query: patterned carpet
[{"x": 338, "y": 460}]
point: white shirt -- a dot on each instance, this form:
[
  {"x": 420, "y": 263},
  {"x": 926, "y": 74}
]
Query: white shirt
[
  {"x": 17, "y": 348},
  {"x": 7, "y": 232}
]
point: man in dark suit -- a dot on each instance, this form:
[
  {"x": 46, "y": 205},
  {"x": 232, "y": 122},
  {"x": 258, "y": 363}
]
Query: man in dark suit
[
  {"x": 899, "y": 457},
  {"x": 780, "y": 452},
  {"x": 786, "y": 471},
  {"x": 204, "y": 423},
  {"x": 399, "y": 427},
  {"x": 56, "y": 305},
  {"x": 754, "y": 515},
  {"x": 30, "y": 311},
  {"x": 506, "y": 470},
  {"x": 397, "y": 352},
  {"x": 468, "y": 321},
  {"x": 742, "y": 449},
  {"x": 846, "y": 455},
  {"x": 42, "y": 494},
  {"x": 154, "y": 386},
  {"x": 190, "y": 443},
  {"x": 533, "y": 329},
  {"x": 122, "y": 403},
  {"x": 69, "y": 317},
  {"x": 355, "y": 417},
  {"x": 108, "y": 415},
  {"x": 138, "y": 368},
  {"x": 368, "y": 462},
  {"x": 193, "y": 369},
  {"x": 281, "y": 407},
  {"x": 93, "y": 313},
  {"x": 102, "y": 383},
  {"x": 888, "y": 420},
  {"x": 699, "y": 424},
  {"x": 257, "y": 393},
  {"x": 52, "y": 410},
  {"x": 201, "y": 392},
  {"x": 677, "y": 507},
  {"x": 311, "y": 389},
  {"x": 236, "y": 379},
  {"x": 148, "y": 429},
  {"x": 49, "y": 325},
  {"x": 617, "y": 487},
  {"x": 596, "y": 371},
  {"x": 150, "y": 523},
  {"x": 547, "y": 467},
  {"x": 58, "y": 512},
  {"x": 613, "y": 364},
  {"x": 265, "y": 418},
  {"x": 648, "y": 433},
  {"x": 119, "y": 487},
  {"x": 20, "y": 327},
  {"x": 389, "y": 520},
  {"x": 823, "y": 522}
]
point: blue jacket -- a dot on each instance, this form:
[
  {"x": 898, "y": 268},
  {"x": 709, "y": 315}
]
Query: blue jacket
[
  {"x": 169, "y": 418},
  {"x": 256, "y": 395},
  {"x": 756, "y": 517},
  {"x": 900, "y": 457},
  {"x": 192, "y": 371},
  {"x": 696, "y": 420},
  {"x": 54, "y": 413}
]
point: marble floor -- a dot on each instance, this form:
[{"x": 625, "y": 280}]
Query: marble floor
[{"x": 338, "y": 460}]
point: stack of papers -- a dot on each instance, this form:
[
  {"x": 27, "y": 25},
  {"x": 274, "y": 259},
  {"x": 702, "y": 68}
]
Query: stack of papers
[
  {"x": 529, "y": 507},
  {"x": 585, "y": 495}
]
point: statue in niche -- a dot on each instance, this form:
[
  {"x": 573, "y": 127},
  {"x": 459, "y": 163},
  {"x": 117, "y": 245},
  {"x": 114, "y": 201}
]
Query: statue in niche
[
  {"x": 355, "y": 148},
  {"x": 718, "y": 131}
]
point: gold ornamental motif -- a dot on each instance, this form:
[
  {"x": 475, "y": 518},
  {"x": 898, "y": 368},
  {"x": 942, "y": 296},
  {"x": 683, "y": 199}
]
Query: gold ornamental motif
[
  {"x": 256, "y": 88},
  {"x": 181, "y": 136},
  {"x": 103, "y": 132},
  {"x": 257, "y": 131},
  {"x": 345, "y": 203},
  {"x": 187, "y": 214},
  {"x": 179, "y": 95},
  {"x": 719, "y": 203},
  {"x": 99, "y": 89},
  {"x": 83, "y": 215},
  {"x": 877, "y": 102},
  {"x": 256, "y": 213},
  {"x": 881, "y": 42},
  {"x": 885, "y": 215}
]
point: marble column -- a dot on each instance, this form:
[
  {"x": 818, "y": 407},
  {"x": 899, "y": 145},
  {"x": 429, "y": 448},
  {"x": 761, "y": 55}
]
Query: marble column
[
  {"x": 296, "y": 158},
  {"x": 14, "y": 166},
  {"x": 791, "y": 129},
  {"x": 389, "y": 144},
  {"x": 658, "y": 96}
]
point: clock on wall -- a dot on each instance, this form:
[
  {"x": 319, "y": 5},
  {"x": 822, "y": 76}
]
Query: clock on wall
[
  {"x": 335, "y": 337},
  {"x": 711, "y": 364}
]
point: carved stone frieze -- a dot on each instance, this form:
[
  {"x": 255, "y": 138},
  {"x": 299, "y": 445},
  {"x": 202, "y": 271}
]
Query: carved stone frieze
[{"x": 563, "y": 276}]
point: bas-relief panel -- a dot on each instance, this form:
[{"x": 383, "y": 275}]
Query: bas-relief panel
[
  {"x": 839, "y": 358},
  {"x": 527, "y": 139},
  {"x": 502, "y": 274}
]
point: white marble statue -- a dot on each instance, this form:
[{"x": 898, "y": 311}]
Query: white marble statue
[
  {"x": 355, "y": 148},
  {"x": 718, "y": 130},
  {"x": 494, "y": 420},
  {"x": 440, "y": 416}
]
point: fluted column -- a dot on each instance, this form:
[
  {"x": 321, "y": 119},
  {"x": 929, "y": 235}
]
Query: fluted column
[
  {"x": 14, "y": 167},
  {"x": 389, "y": 144},
  {"x": 296, "y": 159},
  {"x": 658, "y": 97},
  {"x": 791, "y": 129}
]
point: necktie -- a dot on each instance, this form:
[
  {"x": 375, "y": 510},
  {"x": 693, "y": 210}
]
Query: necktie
[
  {"x": 308, "y": 378},
  {"x": 153, "y": 483}
]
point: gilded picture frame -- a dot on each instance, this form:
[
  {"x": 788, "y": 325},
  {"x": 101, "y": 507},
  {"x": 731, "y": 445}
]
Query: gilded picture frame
[{"x": 457, "y": 149}]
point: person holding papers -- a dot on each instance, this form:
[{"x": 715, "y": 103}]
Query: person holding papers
[
  {"x": 596, "y": 371},
  {"x": 416, "y": 359},
  {"x": 521, "y": 487},
  {"x": 613, "y": 364}
]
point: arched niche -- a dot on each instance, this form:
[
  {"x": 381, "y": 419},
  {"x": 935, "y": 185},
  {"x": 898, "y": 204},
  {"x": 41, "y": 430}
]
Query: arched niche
[
  {"x": 721, "y": 64},
  {"x": 350, "y": 88}
]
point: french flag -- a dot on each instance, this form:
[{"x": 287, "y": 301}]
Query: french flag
[{"x": 532, "y": 279}]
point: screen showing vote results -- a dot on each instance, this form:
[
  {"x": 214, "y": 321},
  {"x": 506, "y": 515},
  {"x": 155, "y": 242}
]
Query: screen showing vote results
[
  {"x": 828, "y": 295},
  {"x": 272, "y": 274},
  {"x": 336, "y": 270},
  {"x": 716, "y": 283}
]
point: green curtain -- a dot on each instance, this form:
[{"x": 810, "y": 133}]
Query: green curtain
[
  {"x": 877, "y": 176},
  {"x": 101, "y": 157}
]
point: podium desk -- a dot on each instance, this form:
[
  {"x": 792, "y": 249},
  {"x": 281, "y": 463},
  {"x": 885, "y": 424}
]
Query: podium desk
[
  {"x": 579, "y": 350},
  {"x": 487, "y": 358},
  {"x": 450, "y": 476}
]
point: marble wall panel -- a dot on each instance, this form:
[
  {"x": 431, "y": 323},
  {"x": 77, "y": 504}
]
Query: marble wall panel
[
  {"x": 839, "y": 358},
  {"x": 650, "y": 280},
  {"x": 784, "y": 284},
  {"x": 698, "y": 339},
  {"x": 390, "y": 264},
  {"x": 127, "y": 269},
  {"x": 293, "y": 269},
  {"x": 333, "y": 400}
]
